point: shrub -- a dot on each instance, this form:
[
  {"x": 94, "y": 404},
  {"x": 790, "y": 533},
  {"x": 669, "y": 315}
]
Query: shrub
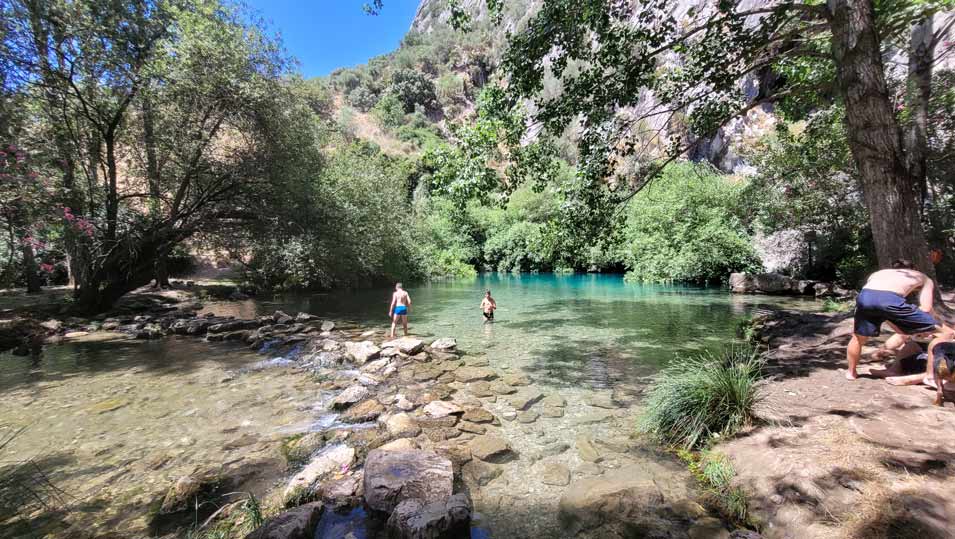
[
  {"x": 362, "y": 98},
  {"x": 697, "y": 398},
  {"x": 413, "y": 88},
  {"x": 683, "y": 227},
  {"x": 715, "y": 474},
  {"x": 389, "y": 111}
]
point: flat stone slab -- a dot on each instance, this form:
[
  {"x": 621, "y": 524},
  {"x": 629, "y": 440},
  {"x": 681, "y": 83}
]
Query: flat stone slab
[
  {"x": 349, "y": 396},
  {"x": 362, "y": 352},
  {"x": 524, "y": 399},
  {"x": 442, "y": 409},
  {"x": 445, "y": 344},
  {"x": 516, "y": 379},
  {"x": 489, "y": 448},
  {"x": 478, "y": 415},
  {"x": 481, "y": 389},
  {"x": 328, "y": 460},
  {"x": 405, "y": 345},
  {"x": 473, "y": 374}
]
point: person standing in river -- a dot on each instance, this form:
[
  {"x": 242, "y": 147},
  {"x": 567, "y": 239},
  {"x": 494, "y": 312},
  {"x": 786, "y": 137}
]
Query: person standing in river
[
  {"x": 399, "y": 309},
  {"x": 883, "y": 299},
  {"x": 488, "y": 306}
]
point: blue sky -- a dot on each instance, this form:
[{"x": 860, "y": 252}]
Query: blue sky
[{"x": 326, "y": 34}]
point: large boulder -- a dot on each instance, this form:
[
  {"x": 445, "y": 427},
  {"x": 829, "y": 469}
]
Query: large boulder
[
  {"x": 362, "y": 352},
  {"x": 767, "y": 283},
  {"x": 413, "y": 519},
  {"x": 392, "y": 477},
  {"x": 298, "y": 523}
]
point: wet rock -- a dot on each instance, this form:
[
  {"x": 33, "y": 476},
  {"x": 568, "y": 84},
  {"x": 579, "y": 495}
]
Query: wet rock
[
  {"x": 366, "y": 410},
  {"x": 708, "y": 528},
  {"x": 389, "y": 352},
  {"x": 297, "y": 523},
  {"x": 554, "y": 400},
  {"x": 298, "y": 449},
  {"x": 516, "y": 379},
  {"x": 553, "y": 473},
  {"x": 588, "y": 468},
  {"x": 552, "y": 411},
  {"x": 525, "y": 398},
  {"x": 587, "y": 451},
  {"x": 458, "y": 453},
  {"x": 402, "y": 426},
  {"x": 478, "y": 415},
  {"x": 402, "y": 403},
  {"x": 490, "y": 448},
  {"x": 405, "y": 345},
  {"x": 590, "y": 418},
  {"x": 437, "y": 422},
  {"x": 280, "y": 317},
  {"x": 481, "y": 389},
  {"x": 350, "y": 396},
  {"x": 745, "y": 534},
  {"x": 425, "y": 373},
  {"x": 413, "y": 519},
  {"x": 441, "y": 434},
  {"x": 376, "y": 366},
  {"x": 362, "y": 352},
  {"x": 473, "y": 428},
  {"x": 305, "y": 317},
  {"x": 439, "y": 409},
  {"x": 445, "y": 344},
  {"x": 628, "y": 496},
  {"x": 476, "y": 362},
  {"x": 509, "y": 415},
  {"x": 341, "y": 491},
  {"x": 392, "y": 477},
  {"x": 528, "y": 416},
  {"x": 503, "y": 389},
  {"x": 601, "y": 400},
  {"x": 478, "y": 473},
  {"x": 233, "y": 325},
  {"x": 330, "y": 459},
  {"x": 52, "y": 325},
  {"x": 440, "y": 355},
  {"x": 328, "y": 325},
  {"x": 185, "y": 491},
  {"x": 473, "y": 374}
]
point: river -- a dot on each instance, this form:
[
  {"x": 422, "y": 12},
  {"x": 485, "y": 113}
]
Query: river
[{"x": 113, "y": 424}]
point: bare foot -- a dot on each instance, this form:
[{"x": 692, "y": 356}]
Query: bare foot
[
  {"x": 930, "y": 382},
  {"x": 910, "y": 380},
  {"x": 851, "y": 375}
]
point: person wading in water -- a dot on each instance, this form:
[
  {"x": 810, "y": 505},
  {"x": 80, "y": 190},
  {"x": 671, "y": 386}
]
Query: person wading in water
[{"x": 399, "y": 309}]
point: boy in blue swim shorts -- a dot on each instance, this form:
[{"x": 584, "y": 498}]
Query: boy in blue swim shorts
[
  {"x": 399, "y": 308},
  {"x": 883, "y": 299}
]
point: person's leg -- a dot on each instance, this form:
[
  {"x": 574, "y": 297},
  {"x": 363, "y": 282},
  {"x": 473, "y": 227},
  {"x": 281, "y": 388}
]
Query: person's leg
[
  {"x": 926, "y": 378},
  {"x": 404, "y": 322},
  {"x": 394, "y": 323},
  {"x": 853, "y": 352}
]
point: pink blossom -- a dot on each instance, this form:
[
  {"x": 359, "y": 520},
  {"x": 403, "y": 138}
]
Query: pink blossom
[{"x": 48, "y": 268}]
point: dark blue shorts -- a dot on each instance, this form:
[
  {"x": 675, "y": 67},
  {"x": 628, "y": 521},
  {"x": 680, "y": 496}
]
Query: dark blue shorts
[
  {"x": 873, "y": 307},
  {"x": 401, "y": 310}
]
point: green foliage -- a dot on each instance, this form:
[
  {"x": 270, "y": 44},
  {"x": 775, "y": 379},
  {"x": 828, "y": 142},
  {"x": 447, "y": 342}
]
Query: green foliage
[
  {"x": 389, "y": 111},
  {"x": 715, "y": 474},
  {"x": 362, "y": 98},
  {"x": 683, "y": 227},
  {"x": 837, "y": 306},
  {"x": 698, "y": 398},
  {"x": 413, "y": 88}
]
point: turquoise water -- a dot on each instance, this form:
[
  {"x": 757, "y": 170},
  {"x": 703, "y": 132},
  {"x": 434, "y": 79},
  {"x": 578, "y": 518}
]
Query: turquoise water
[{"x": 569, "y": 329}]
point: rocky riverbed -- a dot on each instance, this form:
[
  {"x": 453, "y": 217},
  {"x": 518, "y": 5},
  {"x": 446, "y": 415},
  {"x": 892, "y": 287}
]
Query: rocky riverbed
[{"x": 410, "y": 438}]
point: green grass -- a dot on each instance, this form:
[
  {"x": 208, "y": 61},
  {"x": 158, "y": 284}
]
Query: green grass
[
  {"x": 715, "y": 474},
  {"x": 837, "y": 306},
  {"x": 699, "y": 398}
]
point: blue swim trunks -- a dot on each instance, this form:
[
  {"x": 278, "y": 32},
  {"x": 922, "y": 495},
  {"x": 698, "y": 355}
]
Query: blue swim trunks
[
  {"x": 401, "y": 310},
  {"x": 873, "y": 307}
]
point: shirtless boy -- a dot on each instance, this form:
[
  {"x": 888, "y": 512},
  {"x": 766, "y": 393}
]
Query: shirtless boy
[
  {"x": 882, "y": 299},
  {"x": 398, "y": 311},
  {"x": 488, "y": 306}
]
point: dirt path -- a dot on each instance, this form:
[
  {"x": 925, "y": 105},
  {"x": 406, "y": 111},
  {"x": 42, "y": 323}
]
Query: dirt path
[{"x": 840, "y": 459}]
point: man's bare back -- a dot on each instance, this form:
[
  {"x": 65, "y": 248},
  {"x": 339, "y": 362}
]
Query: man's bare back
[
  {"x": 900, "y": 281},
  {"x": 400, "y": 298}
]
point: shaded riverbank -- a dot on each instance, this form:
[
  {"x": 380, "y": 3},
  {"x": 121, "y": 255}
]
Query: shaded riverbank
[{"x": 839, "y": 459}]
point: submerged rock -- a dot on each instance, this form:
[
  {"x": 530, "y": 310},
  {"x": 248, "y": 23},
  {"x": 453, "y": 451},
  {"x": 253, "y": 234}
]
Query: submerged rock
[
  {"x": 445, "y": 344},
  {"x": 439, "y": 409},
  {"x": 629, "y": 498},
  {"x": 298, "y": 523},
  {"x": 489, "y": 448},
  {"x": 473, "y": 374},
  {"x": 186, "y": 491},
  {"x": 392, "y": 477}
]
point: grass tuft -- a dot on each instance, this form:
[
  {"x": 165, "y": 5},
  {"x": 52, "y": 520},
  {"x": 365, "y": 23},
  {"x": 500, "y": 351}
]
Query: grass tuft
[
  {"x": 703, "y": 397},
  {"x": 715, "y": 474}
]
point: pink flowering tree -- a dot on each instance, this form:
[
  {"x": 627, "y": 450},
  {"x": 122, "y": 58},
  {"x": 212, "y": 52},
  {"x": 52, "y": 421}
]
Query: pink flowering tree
[{"x": 25, "y": 198}]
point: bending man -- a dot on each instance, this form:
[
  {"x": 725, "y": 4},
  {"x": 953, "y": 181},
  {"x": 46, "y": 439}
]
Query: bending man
[{"x": 883, "y": 299}]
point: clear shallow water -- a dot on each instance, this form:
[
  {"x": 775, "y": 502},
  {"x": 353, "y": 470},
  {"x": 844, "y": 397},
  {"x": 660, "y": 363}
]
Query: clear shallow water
[
  {"x": 113, "y": 424},
  {"x": 567, "y": 329}
]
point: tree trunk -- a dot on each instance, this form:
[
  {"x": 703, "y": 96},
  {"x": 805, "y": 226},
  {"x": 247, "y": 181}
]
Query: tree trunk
[
  {"x": 30, "y": 270},
  {"x": 918, "y": 94},
  {"x": 891, "y": 193},
  {"x": 155, "y": 181}
]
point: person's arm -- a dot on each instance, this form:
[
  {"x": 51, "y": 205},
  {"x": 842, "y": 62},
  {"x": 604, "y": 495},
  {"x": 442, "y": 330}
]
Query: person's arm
[
  {"x": 408, "y": 297},
  {"x": 391, "y": 308},
  {"x": 493, "y": 304},
  {"x": 927, "y": 296}
]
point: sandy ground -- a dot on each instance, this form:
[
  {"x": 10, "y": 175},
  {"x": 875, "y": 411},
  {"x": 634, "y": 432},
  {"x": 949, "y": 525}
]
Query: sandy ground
[{"x": 841, "y": 459}]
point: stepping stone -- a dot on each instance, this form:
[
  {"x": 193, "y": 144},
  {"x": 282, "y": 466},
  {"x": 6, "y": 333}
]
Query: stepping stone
[
  {"x": 503, "y": 389},
  {"x": 478, "y": 415},
  {"x": 525, "y": 398},
  {"x": 445, "y": 344},
  {"x": 514, "y": 379},
  {"x": 489, "y": 448},
  {"x": 474, "y": 374},
  {"x": 473, "y": 428},
  {"x": 405, "y": 345},
  {"x": 438, "y": 409}
]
